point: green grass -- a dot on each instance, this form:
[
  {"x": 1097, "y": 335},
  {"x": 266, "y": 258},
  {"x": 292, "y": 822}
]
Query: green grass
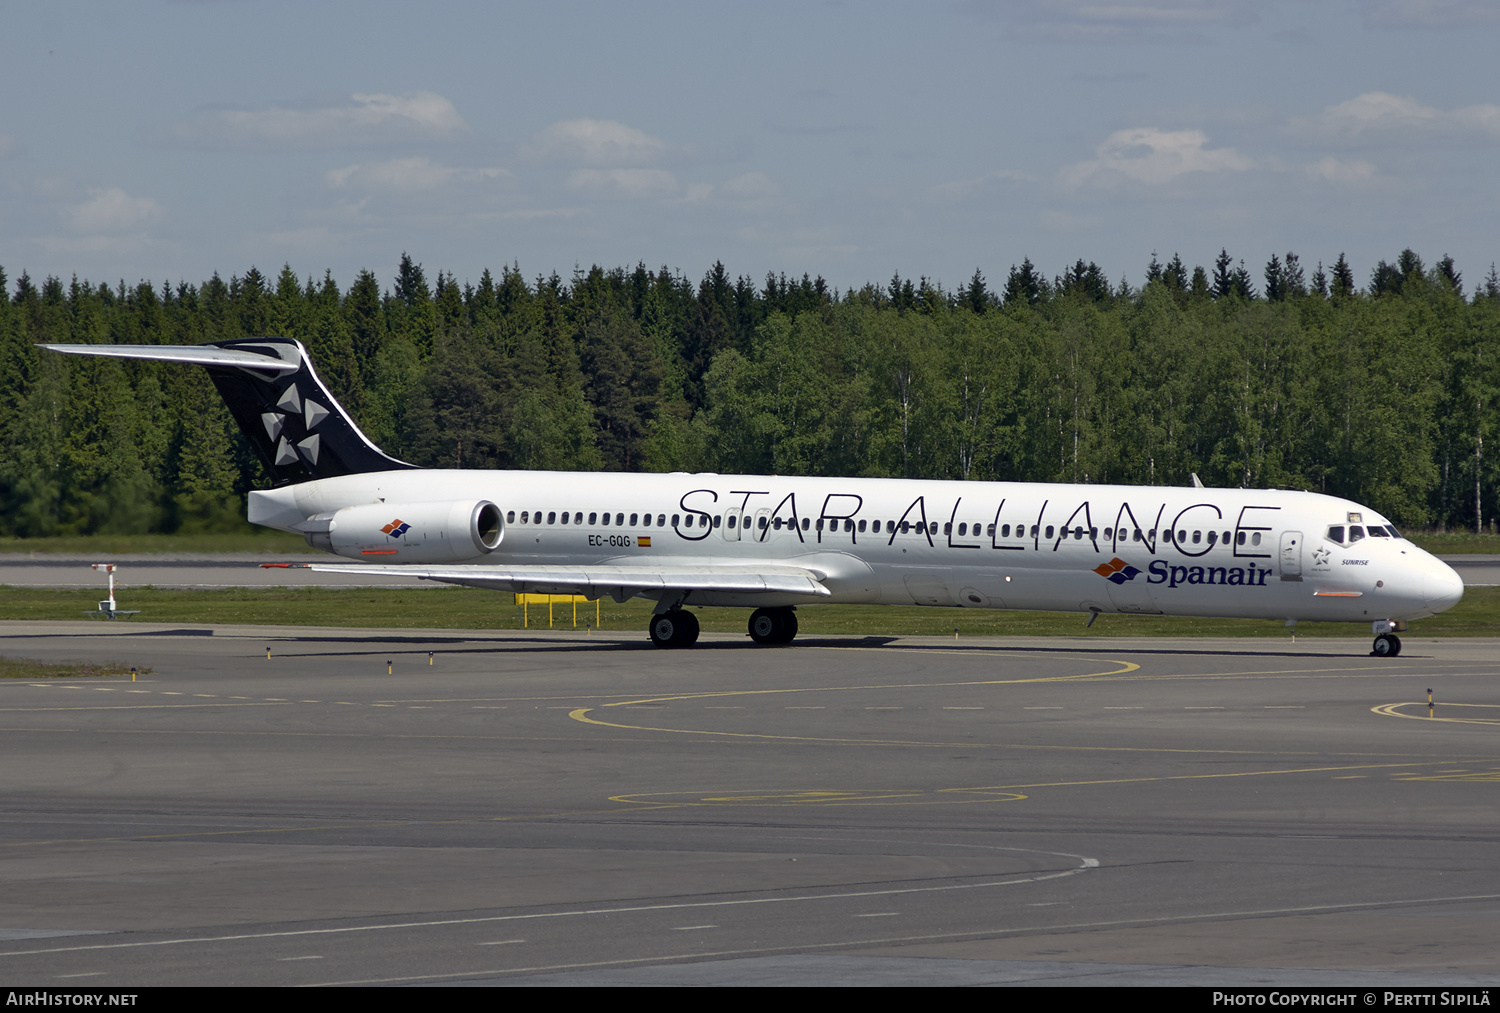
[
  {"x": 25, "y": 668},
  {"x": 467, "y": 608},
  {"x": 1456, "y": 543},
  {"x": 258, "y": 540}
]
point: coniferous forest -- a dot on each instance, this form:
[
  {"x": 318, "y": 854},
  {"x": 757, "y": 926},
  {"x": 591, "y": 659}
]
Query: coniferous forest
[{"x": 1386, "y": 392}]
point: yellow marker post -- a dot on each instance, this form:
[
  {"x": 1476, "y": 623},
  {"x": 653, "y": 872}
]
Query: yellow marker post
[
  {"x": 429, "y": 659},
  {"x": 268, "y": 652},
  {"x": 1430, "y": 710},
  {"x": 132, "y": 673},
  {"x": 387, "y": 666}
]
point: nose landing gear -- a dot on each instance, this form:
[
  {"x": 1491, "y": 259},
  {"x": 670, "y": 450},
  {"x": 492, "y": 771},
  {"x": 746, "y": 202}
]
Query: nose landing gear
[{"x": 1387, "y": 644}]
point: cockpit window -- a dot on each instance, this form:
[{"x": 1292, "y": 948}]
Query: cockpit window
[
  {"x": 1378, "y": 531},
  {"x": 1356, "y": 532},
  {"x": 1392, "y": 529},
  {"x": 1336, "y": 534}
]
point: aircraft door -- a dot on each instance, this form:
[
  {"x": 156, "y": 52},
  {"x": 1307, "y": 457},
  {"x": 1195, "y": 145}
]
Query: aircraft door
[
  {"x": 732, "y": 518},
  {"x": 1291, "y": 555},
  {"x": 762, "y": 526}
]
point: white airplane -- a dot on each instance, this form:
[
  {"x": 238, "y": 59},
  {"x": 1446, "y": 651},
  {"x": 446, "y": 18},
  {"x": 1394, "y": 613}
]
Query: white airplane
[{"x": 773, "y": 543}]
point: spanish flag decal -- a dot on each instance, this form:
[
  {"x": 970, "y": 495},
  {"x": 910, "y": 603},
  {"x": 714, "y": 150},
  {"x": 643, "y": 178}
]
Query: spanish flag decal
[{"x": 644, "y": 541}]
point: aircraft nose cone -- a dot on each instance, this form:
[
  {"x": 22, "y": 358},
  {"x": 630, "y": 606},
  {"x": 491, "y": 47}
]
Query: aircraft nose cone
[{"x": 1442, "y": 588}]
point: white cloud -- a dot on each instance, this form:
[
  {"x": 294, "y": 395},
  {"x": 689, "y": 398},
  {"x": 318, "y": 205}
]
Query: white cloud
[
  {"x": 530, "y": 214},
  {"x": 751, "y": 186},
  {"x": 1110, "y": 20},
  {"x": 1153, "y": 156},
  {"x": 110, "y": 245},
  {"x": 1169, "y": 12},
  {"x": 958, "y": 189},
  {"x": 624, "y": 182},
  {"x": 1430, "y": 13},
  {"x": 597, "y": 142},
  {"x": 408, "y": 174},
  {"x": 1336, "y": 171},
  {"x": 1380, "y": 112},
  {"x": 112, "y": 211},
  {"x": 366, "y": 119}
]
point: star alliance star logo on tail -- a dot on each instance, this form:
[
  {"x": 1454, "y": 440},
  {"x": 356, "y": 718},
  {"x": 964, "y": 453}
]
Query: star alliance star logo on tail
[
  {"x": 1116, "y": 571},
  {"x": 396, "y": 528}
]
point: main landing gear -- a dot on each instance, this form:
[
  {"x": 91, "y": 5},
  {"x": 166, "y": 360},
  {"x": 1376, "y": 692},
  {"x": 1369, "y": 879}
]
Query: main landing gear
[
  {"x": 773, "y": 625},
  {"x": 678, "y": 628},
  {"x": 674, "y": 628}
]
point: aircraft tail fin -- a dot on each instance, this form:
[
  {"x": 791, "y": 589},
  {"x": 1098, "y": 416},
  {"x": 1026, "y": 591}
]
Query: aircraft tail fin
[{"x": 270, "y": 387}]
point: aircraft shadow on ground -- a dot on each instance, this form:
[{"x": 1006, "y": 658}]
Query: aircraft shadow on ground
[{"x": 611, "y": 642}]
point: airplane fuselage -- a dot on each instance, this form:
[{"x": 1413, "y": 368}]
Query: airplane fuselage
[{"x": 1173, "y": 551}]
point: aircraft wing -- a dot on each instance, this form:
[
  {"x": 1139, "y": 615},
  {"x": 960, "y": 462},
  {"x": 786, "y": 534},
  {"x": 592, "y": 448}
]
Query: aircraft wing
[{"x": 618, "y": 582}]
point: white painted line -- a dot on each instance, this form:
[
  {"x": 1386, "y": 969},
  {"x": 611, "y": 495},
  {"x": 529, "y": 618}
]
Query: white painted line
[{"x": 1086, "y": 864}]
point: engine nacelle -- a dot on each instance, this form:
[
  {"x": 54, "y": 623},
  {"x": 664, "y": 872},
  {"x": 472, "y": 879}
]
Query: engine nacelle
[{"x": 446, "y": 532}]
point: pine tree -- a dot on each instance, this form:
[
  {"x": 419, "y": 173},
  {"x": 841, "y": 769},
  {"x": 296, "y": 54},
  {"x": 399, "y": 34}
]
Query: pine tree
[
  {"x": 1223, "y": 285},
  {"x": 1024, "y": 285},
  {"x": 1342, "y": 285},
  {"x": 1243, "y": 286},
  {"x": 1275, "y": 280},
  {"x": 1200, "y": 289},
  {"x": 976, "y": 296},
  {"x": 1447, "y": 272},
  {"x": 1176, "y": 274},
  {"x": 1296, "y": 282}
]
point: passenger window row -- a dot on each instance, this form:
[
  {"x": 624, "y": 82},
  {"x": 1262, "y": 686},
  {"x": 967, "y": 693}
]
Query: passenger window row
[{"x": 965, "y": 529}]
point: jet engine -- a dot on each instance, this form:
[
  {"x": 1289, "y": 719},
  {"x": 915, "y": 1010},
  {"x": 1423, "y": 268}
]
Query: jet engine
[{"x": 447, "y": 532}]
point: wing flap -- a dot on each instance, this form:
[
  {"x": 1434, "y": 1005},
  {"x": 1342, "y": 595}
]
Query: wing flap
[{"x": 617, "y": 582}]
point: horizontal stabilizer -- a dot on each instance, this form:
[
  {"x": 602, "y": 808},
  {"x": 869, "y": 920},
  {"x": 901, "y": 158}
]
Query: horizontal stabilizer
[{"x": 191, "y": 355}]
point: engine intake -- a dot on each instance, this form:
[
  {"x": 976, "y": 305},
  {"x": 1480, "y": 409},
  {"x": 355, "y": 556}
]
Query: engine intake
[{"x": 447, "y": 532}]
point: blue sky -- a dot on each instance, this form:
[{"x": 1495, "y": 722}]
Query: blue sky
[{"x": 852, "y": 140}]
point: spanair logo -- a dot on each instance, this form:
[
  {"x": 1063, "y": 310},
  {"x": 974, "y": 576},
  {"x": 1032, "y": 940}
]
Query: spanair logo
[
  {"x": 396, "y": 528},
  {"x": 1117, "y": 571}
]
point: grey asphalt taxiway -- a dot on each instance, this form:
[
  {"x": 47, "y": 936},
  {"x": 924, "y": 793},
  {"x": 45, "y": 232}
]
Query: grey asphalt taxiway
[{"x": 533, "y": 808}]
